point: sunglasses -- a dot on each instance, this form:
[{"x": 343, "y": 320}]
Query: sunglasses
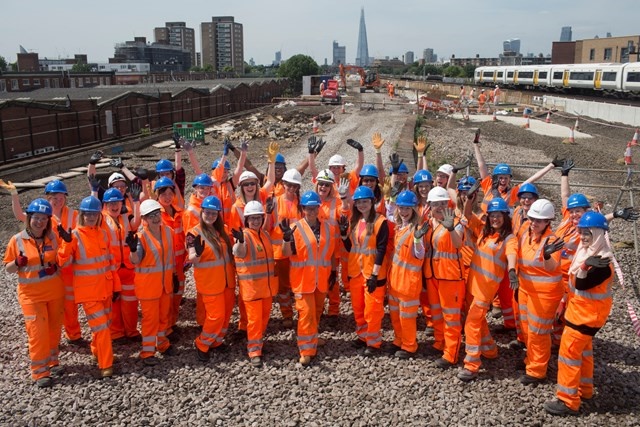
[
  {"x": 249, "y": 184},
  {"x": 324, "y": 184}
]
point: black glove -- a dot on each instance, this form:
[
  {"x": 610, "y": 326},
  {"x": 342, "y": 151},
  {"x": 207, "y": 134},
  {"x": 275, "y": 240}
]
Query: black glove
[
  {"x": 132, "y": 241},
  {"x": 462, "y": 165},
  {"x": 142, "y": 173},
  {"x": 343, "y": 223},
  {"x": 226, "y": 146},
  {"x": 372, "y": 283},
  {"x": 395, "y": 163},
  {"x": 332, "y": 279},
  {"x": 176, "y": 139},
  {"x": 476, "y": 139},
  {"x": 94, "y": 182},
  {"x": 396, "y": 189},
  {"x": 64, "y": 234},
  {"x": 474, "y": 188},
  {"x": 567, "y": 165},
  {"x": 420, "y": 231},
  {"x": 135, "y": 190},
  {"x": 557, "y": 162},
  {"x": 269, "y": 205},
  {"x": 95, "y": 157},
  {"x": 550, "y": 248},
  {"x": 312, "y": 144},
  {"x": 287, "y": 231},
  {"x": 238, "y": 235},
  {"x": 198, "y": 245},
  {"x": 495, "y": 182},
  {"x": 597, "y": 261},
  {"x": 115, "y": 296},
  {"x": 513, "y": 280},
  {"x": 21, "y": 260},
  {"x": 628, "y": 214},
  {"x": 355, "y": 144},
  {"x": 320, "y": 145},
  {"x": 117, "y": 163},
  {"x": 176, "y": 283}
]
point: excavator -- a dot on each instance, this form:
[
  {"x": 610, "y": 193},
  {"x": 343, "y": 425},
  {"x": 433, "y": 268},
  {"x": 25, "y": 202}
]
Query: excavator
[{"x": 369, "y": 79}]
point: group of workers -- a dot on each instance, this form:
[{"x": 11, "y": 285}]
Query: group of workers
[{"x": 427, "y": 244}]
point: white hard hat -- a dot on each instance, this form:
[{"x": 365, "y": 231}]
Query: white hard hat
[
  {"x": 542, "y": 209},
  {"x": 246, "y": 175},
  {"x": 116, "y": 177},
  {"x": 326, "y": 175},
  {"x": 337, "y": 160},
  {"x": 438, "y": 194},
  {"x": 292, "y": 176},
  {"x": 148, "y": 206},
  {"x": 254, "y": 207},
  {"x": 446, "y": 169}
]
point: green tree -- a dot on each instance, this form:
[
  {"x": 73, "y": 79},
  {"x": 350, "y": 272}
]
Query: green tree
[
  {"x": 208, "y": 68},
  {"x": 3, "y": 63},
  {"x": 81, "y": 68},
  {"x": 195, "y": 69},
  {"x": 296, "y": 67},
  {"x": 468, "y": 70},
  {"x": 452, "y": 71}
]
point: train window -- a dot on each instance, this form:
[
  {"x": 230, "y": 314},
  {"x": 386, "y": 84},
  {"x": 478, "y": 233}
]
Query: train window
[
  {"x": 500, "y": 73},
  {"x": 557, "y": 75},
  {"x": 581, "y": 75},
  {"x": 609, "y": 76},
  {"x": 509, "y": 74},
  {"x": 487, "y": 74},
  {"x": 542, "y": 75},
  {"x": 633, "y": 77},
  {"x": 525, "y": 74}
]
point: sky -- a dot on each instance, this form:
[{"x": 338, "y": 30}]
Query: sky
[{"x": 60, "y": 29}]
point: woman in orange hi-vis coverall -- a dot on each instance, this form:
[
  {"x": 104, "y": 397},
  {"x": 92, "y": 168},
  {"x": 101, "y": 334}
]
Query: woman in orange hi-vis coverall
[
  {"x": 32, "y": 255},
  {"x": 214, "y": 273},
  {"x": 590, "y": 280},
  {"x": 285, "y": 207},
  {"x": 312, "y": 246},
  {"x": 496, "y": 252},
  {"x": 540, "y": 289},
  {"x": 152, "y": 252},
  {"x": 253, "y": 253},
  {"x": 124, "y": 309},
  {"x": 405, "y": 274},
  {"x": 368, "y": 267},
  {"x": 444, "y": 272},
  {"x": 87, "y": 250}
]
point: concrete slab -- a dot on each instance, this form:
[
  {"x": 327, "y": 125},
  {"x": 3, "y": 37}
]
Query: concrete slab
[
  {"x": 538, "y": 126},
  {"x": 164, "y": 144},
  {"x": 28, "y": 185},
  {"x": 80, "y": 169},
  {"x": 45, "y": 180},
  {"x": 70, "y": 174},
  {"x": 102, "y": 165}
]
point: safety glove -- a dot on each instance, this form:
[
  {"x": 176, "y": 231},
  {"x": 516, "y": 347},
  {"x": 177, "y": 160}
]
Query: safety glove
[
  {"x": 377, "y": 141},
  {"x": 462, "y": 165},
  {"x": 9, "y": 186},
  {"x": 320, "y": 146},
  {"x": 95, "y": 157},
  {"x": 514, "y": 284},
  {"x": 343, "y": 223},
  {"x": 447, "y": 221},
  {"x": 567, "y": 165},
  {"x": 355, "y": 144},
  {"x": 176, "y": 139},
  {"x": 551, "y": 248},
  {"x": 332, "y": 279},
  {"x": 287, "y": 231},
  {"x": 116, "y": 163},
  {"x": 244, "y": 144},
  {"x": 395, "y": 190},
  {"x": 386, "y": 187},
  {"x": 396, "y": 161},
  {"x": 343, "y": 188},
  {"x": 476, "y": 138},
  {"x": 372, "y": 283},
  {"x": 238, "y": 235},
  {"x": 272, "y": 151},
  {"x": 312, "y": 144},
  {"x": 597, "y": 261},
  {"x": 628, "y": 214},
  {"x": 94, "y": 182},
  {"x": 135, "y": 190},
  {"x": 115, "y": 296},
  {"x": 421, "y": 145},
  {"x": 198, "y": 245},
  {"x": 142, "y": 173},
  {"x": 65, "y": 234},
  {"x": 557, "y": 162},
  {"x": 21, "y": 260},
  {"x": 269, "y": 205},
  {"x": 132, "y": 241},
  {"x": 188, "y": 145},
  {"x": 420, "y": 230},
  {"x": 474, "y": 188}
]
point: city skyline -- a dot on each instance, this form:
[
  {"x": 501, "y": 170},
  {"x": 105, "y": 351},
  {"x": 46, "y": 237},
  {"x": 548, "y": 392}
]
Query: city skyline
[{"x": 408, "y": 26}]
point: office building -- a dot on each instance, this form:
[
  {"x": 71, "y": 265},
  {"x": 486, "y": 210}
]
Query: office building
[
  {"x": 278, "y": 59},
  {"x": 511, "y": 47},
  {"x": 565, "y": 34},
  {"x": 408, "y": 58},
  {"x": 222, "y": 44},
  {"x": 339, "y": 54},
  {"x": 428, "y": 56},
  {"x": 177, "y": 34},
  {"x": 161, "y": 57},
  {"x": 362, "y": 54}
]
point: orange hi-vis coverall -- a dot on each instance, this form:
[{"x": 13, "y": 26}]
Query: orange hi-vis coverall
[
  {"x": 68, "y": 219},
  {"x": 124, "y": 314},
  {"x": 331, "y": 210},
  {"x": 446, "y": 289},
  {"x": 488, "y": 268},
  {"x": 364, "y": 250},
  {"x": 175, "y": 223},
  {"x": 224, "y": 191},
  {"x": 214, "y": 273},
  {"x": 519, "y": 224},
  {"x": 190, "y": 219},
  {"x": 405, "y": 285},
  {"x": 311, "y": 265},
  {"x": 425, "y": 213},
  {"x": 94, "y": 279},
  {"x": 469, "y": 238},
  {"x": 154, "y": 286},
  {"x": 41, "y": 297},
  {"x": 236, "y": 216},
  {"x": 283, "y": 209},
  {"x": 258, "y": 286},
  {"x": 587, "y": 311},
  {"x": 538, "y": 298}
]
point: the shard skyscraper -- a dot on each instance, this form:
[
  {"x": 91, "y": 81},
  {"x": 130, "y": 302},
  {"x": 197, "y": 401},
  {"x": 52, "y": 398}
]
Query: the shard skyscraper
[{"x": 362, "y": 54}]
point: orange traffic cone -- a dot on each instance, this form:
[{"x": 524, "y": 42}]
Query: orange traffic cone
[
  {"x": 495, "y": 117},
  {"x": 572, "y": 139},
  {"x": 315, "y": 126},
  {"x": 628, "y": 160},
  {"x": 343, "y": 109},
  {"x": 548, "y": 119},
  {"x": 576, "y": 127},
  {"x": 634, "y": 141}
]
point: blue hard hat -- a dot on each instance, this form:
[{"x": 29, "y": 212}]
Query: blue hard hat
[
  {"x": 578, "y": 200},
  {"x": 90, "y": 204},
  {"x": 527, "y": 187},
  {"x": 310, "y": 198},
  {"x": 401, "y": 169},
  {"x": 498, "y": 204},
  {"x": 203, "y": 179},
  {"x": 363, "y": 192},
  {"x": 465, "y": 183},
  {"x": 369, "y": 170},
  {"x": 164, "y": 182},
  {"x": 211, "y": 202},
  {"x": 407, "y": 198},
  {"x": 40, "y": 206},
  {"x": 280, "y": 158},
  {"x": 112, "y": 195},
  {"x": 502, "y": 169},
  {"x": 164, "y": 165},
  {"x": 593, "y": 219},
  {"x": 216, "y": 162},
  {"x": 422, "y": 176},
  {"x": 55, "y": 186}
]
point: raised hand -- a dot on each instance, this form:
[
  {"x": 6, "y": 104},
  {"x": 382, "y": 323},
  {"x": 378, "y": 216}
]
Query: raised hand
[
  {"x": 142, "y": 173},
  {"x": 343, "y": 223},
  {"x": 474, "y": 188},
  {"x": 226, "y": 146},
  {"x": 567, "y": 165},
  {"x": 135, "y": 190},
  {"x": 557, "y": 162},
  {"x": 312, "y": 144},
  {"x": 396, "y": 189},
  {"x": 95, "y": 157},
  {"x": 462, "y": 165},
  {"x": 628, "y": 214},
  {"x": 132, "y": 241},
  {"x": 176, "y": 139},
  {"x": 244, "y": 144},
  {"x": 320, "y": 146},
  {"x": 9, "y": 186},
  {"x": 65, "y": 234},
  {"x": 116, "y": 163},
  {"x": 396, "y": 161},
  {"x": 420, "y": 230},
  {"x": 188, "y": 145},
  {"x": 551, "y": 248},
  {"x": 287, "y": 231},
  {"x": 447, "y": 221},
  {"x": 269, "y": 205},
  {"x": 355, "y": 144},
  {"x": 238, "y": 235},
  {"x": 343, "y": 188},
  {"x": 476, "y": 138},
  {"x": 94, "y": 182},
  {"x": 597, "y": 261},
  {"x": 377, "y": 141},
  {"x": 272, "y": 151},
  {"x": 421, "y": 145}
]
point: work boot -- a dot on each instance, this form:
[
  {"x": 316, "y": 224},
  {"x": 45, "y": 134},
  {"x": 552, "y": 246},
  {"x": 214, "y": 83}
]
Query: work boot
[
  {"x": 502, "y": 330},
  {"x": 256, "y": 361},
  {"x": 391, "y": 348},
  {"x": 305, "y": 360},
  {"x": 558, "y": 407},
  {"x": 170, "y": 351},
  {"x": 372, "y": 351},
  {"x": 150, "y": 361},
  {"x": 466, "y": 375},
  {"x": 443, "y": 363},
  {"x": 429, "y": 331},
  {"x": 528, "y": 379},
  {"x": 358, "y": 343},
  {"x": 106, "y": 372},
  {"x": 403, "y": 354},
  {"x": 56, "y": 371},
  {"x": 321, "y": 342},
  {"x": 496, "y": 312},
  {"x": 203, "y": 356},
  {"x": 79, "y": 342},
  {"x": 45, "y": 382},
  {"x": 517, "y": 345}
]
